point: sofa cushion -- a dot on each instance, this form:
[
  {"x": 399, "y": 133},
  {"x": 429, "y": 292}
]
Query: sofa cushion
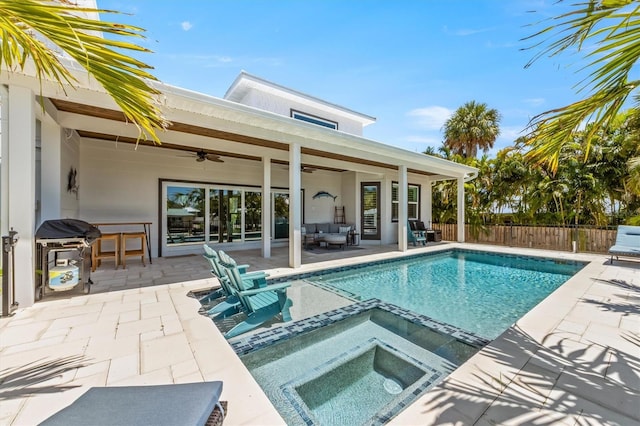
[
  {"x": 309, "y": 228},
  {"x": 322, "y": 227},
  {"x": 344, "y": 229}
]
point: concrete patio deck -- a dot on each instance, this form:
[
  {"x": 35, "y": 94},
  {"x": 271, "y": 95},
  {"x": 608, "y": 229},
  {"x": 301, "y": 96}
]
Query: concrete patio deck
[{"x": 574, "y": 359}]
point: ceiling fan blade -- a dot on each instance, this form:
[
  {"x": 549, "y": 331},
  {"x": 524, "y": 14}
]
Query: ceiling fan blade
[{"x": 215, "y": 158}]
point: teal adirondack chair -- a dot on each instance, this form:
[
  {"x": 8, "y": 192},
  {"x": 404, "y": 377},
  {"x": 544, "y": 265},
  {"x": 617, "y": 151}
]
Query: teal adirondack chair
[
  {"x": 232, "y": 303},
  {"x": 260, "y": 304},
  {"x": 416, "y": 236}
]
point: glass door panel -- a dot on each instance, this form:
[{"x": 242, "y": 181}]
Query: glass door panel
[
  {"x": 232, "y": 207},
  {"x": 215, "y": 226},
  {"x": 252, "y": 216},
  {"x": 370, "y": 215},
  {"x": 185, "y": 215},
  {"x": 280, "y": 215}
]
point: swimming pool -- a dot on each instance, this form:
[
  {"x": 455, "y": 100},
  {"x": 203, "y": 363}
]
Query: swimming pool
[
  {"x": 413, "y": 321},
  {"x": 479, "y": 292}
]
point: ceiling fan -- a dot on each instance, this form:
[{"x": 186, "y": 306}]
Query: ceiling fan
[{"x": 202, "y": 155}]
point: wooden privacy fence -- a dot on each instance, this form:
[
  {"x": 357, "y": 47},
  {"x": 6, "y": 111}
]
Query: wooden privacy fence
[{"x": 587, "y": 239}]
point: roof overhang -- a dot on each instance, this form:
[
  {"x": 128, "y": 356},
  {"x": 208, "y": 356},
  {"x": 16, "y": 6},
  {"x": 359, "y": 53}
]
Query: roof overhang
[{"x": 229, "y": 128}]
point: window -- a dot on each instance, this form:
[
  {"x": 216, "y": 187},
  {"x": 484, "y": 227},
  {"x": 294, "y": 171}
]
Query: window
[
  {"x": 314, "y": 120},
  {"x": 413, "y": 204}
]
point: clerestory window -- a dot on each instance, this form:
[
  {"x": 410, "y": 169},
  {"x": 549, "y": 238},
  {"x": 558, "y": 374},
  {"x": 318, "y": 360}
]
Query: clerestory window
[{"x": 314, "y": 119}]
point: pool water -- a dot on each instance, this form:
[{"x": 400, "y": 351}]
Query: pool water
[
  {"x": 478, "y": 292},
  {"x": 372, "y": 360}
]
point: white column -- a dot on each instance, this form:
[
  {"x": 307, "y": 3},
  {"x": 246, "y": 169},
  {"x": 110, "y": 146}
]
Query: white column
[
  {"x": 266, "y": 207},
  {"x": 402, "y": 208},
  {"x": 4, "y": 171},
  {"x": 295, "y": 206},
  {"x": 428, "y": 204},
  {"x": 21, "y": 129},
  {"x": 461, "y": 209},
  {"x": 51, "y": 155}
]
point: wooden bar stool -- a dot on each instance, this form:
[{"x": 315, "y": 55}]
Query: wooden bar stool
[
  {"x": 97, "y": 252},
  {"x": 133, "y": 251}
]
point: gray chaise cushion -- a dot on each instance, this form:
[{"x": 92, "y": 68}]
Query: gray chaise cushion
[
  {"x": 182, "y": 404},
  {"x": 627, "y": 242}
]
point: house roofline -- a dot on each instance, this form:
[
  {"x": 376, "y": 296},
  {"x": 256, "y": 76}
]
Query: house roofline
[
  {"x": 244, "y": 81},
  {"x": 178, "y": 98}
]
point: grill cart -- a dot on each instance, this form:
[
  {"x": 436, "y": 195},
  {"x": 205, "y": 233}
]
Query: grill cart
[{"x": 63, "y": 255}]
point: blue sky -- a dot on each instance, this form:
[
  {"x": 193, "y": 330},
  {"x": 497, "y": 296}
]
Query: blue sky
[{"x": 410, "y": 64}]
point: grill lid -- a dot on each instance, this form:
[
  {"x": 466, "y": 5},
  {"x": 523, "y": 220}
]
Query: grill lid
[{"x": 67, "y": 228}]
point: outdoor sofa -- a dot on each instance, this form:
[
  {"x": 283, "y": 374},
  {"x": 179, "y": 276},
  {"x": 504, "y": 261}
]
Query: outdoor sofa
[{"x": 328, "y": 233}]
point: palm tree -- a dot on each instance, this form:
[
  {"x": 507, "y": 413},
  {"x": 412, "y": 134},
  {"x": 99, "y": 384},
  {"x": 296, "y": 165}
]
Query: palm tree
[
  {"x": 24, "y": 24},
  {"x": 609, "y": 31},
  {"x": 473, "y": 126}
]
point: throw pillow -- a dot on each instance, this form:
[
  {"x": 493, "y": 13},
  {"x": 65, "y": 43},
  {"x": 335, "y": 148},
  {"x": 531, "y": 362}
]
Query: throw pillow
[{"x": 344, "y": 229}]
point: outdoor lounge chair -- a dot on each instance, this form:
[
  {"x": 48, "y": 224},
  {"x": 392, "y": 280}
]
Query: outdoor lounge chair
[
  {"x": 260, "y": 304},
  {"x": 218, "y": 271},
  {"x": 231, "y": 304},
  {"x": 627, "y": 242},
  {"x": 183, "y": 404},
  {"x": 415, "y": 236},
  {"x": 434, "y": 235}
]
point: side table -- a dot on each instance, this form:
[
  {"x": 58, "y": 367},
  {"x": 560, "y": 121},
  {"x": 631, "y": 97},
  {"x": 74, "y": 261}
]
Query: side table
[{"x": 354, "y": 238}]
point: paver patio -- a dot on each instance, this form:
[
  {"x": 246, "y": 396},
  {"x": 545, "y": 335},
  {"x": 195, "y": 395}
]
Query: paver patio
[{"x": 574, "y": 359}]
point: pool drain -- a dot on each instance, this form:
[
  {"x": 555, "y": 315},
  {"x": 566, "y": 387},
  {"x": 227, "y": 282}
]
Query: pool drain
[{"x": 392, "y": 387}]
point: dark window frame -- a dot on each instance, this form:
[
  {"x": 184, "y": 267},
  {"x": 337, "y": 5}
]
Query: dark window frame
[
  {"x": 395, "y": 220},
  {"x": 314, "y": 119}
]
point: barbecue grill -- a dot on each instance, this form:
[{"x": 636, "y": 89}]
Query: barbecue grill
[{"x": 63, "y": 253}]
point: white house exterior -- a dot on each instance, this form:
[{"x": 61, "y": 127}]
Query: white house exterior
[{"x": 259, "y": 132}]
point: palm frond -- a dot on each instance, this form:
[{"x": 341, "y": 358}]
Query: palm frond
[
  {"x": 23, "y": 26},
  {"x": 614, "y": 28}
]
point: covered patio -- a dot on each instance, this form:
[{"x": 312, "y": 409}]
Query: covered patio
[{"x": 117, "y": 178}]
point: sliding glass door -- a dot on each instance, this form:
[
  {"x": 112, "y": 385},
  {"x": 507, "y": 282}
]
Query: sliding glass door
[{"x": 198, "y": 213}]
